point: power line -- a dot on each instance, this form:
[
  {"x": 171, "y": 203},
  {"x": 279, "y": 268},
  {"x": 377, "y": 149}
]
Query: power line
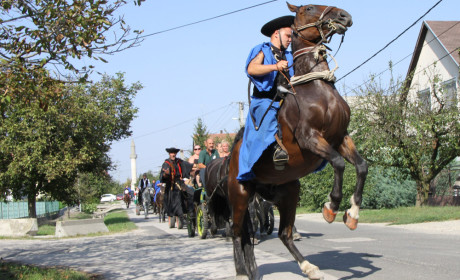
[
  {"x": 404, "y": 58},
  {"x": 397, "y": 37},
  {"x": 203, "y": 20}
]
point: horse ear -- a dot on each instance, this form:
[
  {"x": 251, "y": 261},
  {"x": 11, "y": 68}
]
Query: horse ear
[{"x": 292, "y": 8}]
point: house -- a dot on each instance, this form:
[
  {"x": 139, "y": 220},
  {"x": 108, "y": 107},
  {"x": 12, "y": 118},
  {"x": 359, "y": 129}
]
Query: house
[{"x": 436, "y": 55}]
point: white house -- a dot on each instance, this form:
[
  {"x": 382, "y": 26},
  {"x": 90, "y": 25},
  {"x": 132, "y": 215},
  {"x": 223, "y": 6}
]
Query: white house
[{"x": 436, "y": 55}]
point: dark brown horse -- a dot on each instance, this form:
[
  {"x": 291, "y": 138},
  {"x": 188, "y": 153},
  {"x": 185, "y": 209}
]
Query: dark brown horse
[
  {"x": 159, "y": 203},
  {"x": 314, "y": 121}
]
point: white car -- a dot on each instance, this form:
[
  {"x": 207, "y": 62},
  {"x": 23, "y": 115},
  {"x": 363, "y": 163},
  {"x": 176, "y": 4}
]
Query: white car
[{"x": 108, "y": 197}]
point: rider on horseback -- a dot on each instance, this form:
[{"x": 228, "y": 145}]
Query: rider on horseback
[
  {"x": 263, "y": 66},
  {"x": 143, "y": 183},
  {"x": 172, "y": 174}
]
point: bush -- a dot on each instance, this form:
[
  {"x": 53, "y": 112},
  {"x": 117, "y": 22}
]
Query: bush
[
  {"x": 384, "y": 188},
  {"x": 89, "y": 208}
]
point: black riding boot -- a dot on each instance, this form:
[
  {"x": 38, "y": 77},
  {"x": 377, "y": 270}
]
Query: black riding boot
[{"x": 280, "y": 157}]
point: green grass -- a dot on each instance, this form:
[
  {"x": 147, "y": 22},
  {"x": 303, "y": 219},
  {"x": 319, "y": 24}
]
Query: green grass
[
  {"x": 398, "y": 216},
  {"x": 410, "y": 215},
  {"x": 10, "y": 270},
  {"x": 118, "y": 221}
]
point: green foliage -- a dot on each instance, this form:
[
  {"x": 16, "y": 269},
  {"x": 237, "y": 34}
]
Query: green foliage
[
  {"x": 201, "y": 133},
  {"x": 393, "y": 129},
  {"x": 44, "y": 150},
  {"x": 10, "y": 270},
  {"x": 315, "y": 188},
  {"x": 89, "y": 207},
  {"x": 118, "y": 221},
  {"x": 388, "y": 188},
  {"x": 41, "y": 40}
]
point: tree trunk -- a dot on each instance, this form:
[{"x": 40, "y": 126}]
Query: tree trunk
[
  {"x": 423, "y": 188},
  {"x": 31, "y": 199}
]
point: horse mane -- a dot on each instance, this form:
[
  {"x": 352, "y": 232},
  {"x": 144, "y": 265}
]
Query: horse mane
[{"x": 238, "y": 137}]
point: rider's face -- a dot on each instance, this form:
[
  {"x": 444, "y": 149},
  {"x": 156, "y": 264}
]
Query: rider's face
[
  {"x": 286, "y": 36},
  {"x": 172, "y": 156}
]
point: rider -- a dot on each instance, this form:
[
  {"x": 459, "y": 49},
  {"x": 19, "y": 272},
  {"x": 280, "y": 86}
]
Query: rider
[
  {"x": 206, "y": 156},
  {"x": 127, "y": 191},
  {"x": 171, "y": 174},
  {"x": 143, "y": 183},
  {"x": 263, "y": 66}
]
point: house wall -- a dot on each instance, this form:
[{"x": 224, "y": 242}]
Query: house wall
[{"x": 446, "y": 68}]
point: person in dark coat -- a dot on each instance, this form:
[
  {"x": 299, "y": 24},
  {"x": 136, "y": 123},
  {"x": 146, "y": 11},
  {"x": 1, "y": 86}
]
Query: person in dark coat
[
  {"x": 178, "y": 196},
  {"x": 143, "y": 183}
]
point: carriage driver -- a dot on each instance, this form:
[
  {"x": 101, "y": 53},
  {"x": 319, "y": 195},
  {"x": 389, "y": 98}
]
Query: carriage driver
[
  {"x": 172, "y": 174},
  {"x": 264, "y": 66}
]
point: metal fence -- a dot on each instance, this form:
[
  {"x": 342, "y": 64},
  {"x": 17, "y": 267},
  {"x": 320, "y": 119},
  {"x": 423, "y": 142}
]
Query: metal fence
[{"x": 15, "y": 210}]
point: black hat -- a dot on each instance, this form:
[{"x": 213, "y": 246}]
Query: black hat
[
  {"x": 172, "y": 150},
  {"x": 276, "y": 24}
]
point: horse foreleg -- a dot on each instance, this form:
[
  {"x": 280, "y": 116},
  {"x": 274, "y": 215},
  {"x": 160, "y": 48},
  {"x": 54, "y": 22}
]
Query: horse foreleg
[
  {"x": 287, "y": 210},
  {"x": 243, "y": 252},
  {"x": 348, "y": 151},
  {"x": 320, "y": 146}
]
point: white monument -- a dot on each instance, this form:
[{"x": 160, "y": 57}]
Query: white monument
[{"x": 133, "y": 165}]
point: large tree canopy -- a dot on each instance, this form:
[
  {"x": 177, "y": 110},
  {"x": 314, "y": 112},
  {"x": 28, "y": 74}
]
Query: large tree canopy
[
  {"x": 41, "y": 41},
  {"x": 43, "y": 150},
  {"x": 395, "y": 130}
]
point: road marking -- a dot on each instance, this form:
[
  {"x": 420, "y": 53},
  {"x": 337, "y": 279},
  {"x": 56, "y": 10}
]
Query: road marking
[{"x": 350, "y": 240}]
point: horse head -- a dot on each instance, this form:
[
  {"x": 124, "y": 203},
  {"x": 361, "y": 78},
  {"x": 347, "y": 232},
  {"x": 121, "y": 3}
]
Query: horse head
[{"x": 316, "y": 24}]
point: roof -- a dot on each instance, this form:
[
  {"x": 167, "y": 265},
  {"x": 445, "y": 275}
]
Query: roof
[{"x": 446, "y": 32}]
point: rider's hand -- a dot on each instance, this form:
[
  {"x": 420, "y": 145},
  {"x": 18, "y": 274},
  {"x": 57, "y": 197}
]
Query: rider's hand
[
  {"x": 166, "y": 171},
  {"x": 281, "y": 65}
]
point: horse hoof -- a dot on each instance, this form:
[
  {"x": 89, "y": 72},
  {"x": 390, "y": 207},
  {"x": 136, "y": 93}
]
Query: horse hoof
[
  {"x": 296, "y": 236},
  {"x": 350, "y": 222},
  {"x": 328, "y": 214}
]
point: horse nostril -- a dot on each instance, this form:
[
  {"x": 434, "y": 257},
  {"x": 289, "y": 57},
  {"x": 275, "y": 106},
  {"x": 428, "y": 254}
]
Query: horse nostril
[{"x": 345, "y": 17}]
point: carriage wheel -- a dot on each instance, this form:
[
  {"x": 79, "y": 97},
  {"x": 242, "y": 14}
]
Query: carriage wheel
[
  {"x": 172, "y": 221},
  {"x": 191, "y": 226},
  {"x": 202, "y": 221},
  {"x": 270, "y": 220},
  {"x": 138, "y": 211}
]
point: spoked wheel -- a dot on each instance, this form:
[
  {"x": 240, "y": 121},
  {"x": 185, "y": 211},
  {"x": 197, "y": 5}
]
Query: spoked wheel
[
  {"x": 172, "y": 221},
  {"x": 202, "y": 221},
  {"x": 270, "y": 220},
  {"x": 191, "y": 226}
]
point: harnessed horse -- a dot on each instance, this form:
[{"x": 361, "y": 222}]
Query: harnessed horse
[
  {"x": 159, "y": 202},
  {"x": 314, "y": 120}
]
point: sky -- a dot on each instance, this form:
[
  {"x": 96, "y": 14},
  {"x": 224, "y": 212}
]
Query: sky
[{"x": 197, "y": 71}]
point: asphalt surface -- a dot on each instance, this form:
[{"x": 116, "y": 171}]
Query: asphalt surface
[{"x": 154, "y": 251}]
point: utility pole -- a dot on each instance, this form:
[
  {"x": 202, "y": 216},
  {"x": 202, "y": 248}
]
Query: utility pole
[{"x": 241, "y": 115}]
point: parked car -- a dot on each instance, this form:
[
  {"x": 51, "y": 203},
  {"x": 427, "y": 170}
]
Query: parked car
[
  {"x": 108, "y": 197},
  {"x": 120, "y": 196}
]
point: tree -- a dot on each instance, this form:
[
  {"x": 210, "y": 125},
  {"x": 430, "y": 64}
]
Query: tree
[
  {"x": 201, "y": 133},
  {"x": 41, "y": 41},
  {"x": 44, "y": 150},
  {"x": 394, "y": 130}
]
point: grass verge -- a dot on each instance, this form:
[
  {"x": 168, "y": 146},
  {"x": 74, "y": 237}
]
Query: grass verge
[{"x": 11, "y": 270}]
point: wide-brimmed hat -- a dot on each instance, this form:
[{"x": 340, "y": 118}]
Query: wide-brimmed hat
[
  {"x": 275, "y": 24},
  {"x": 172, "y": 150}
]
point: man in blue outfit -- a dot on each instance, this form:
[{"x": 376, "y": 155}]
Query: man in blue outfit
[{"x": 263, "y": 67}]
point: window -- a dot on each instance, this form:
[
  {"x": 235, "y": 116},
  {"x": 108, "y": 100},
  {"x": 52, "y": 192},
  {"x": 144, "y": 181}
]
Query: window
[
  {"x": 449, "y": 89},
  {"x": 424, "y": 98}
]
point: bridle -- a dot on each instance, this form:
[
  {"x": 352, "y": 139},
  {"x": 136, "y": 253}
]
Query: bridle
[{"x": 318, "y": 24}]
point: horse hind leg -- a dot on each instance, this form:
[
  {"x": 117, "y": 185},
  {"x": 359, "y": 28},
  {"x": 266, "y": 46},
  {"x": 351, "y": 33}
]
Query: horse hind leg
[{"x": 349, "y": 152}]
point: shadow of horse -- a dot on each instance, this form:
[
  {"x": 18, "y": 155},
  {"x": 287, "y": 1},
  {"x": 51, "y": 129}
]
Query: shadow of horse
[{"x": 354, "y": 265}]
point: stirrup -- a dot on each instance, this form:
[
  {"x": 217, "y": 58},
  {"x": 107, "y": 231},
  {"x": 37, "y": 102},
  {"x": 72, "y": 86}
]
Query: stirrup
[{"x": 280, "y": 158}]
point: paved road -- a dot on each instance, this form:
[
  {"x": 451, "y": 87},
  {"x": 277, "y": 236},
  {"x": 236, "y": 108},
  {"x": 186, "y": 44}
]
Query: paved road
[{"x": 156, "y": 252}]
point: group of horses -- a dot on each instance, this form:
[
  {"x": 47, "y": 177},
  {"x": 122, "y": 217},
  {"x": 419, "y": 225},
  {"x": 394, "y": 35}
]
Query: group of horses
[{"x": 314, "y": 119}]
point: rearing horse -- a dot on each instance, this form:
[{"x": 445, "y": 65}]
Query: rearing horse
[{"x": 314, "y": 119}]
